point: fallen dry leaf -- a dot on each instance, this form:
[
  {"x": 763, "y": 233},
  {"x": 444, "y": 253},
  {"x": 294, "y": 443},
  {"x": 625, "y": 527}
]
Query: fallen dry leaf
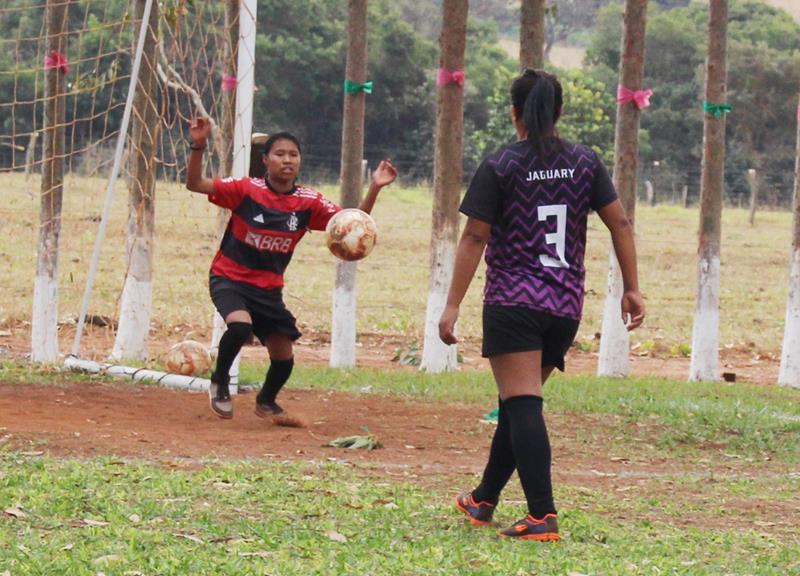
[
  {"x": 336, "y": 537},
  {"x": 14, "y": 512}
]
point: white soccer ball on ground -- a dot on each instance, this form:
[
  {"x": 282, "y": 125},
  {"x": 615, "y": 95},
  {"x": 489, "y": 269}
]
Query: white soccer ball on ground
[
  {"x": 351, "y": 234},
  {"x": 189, "y": 358}
]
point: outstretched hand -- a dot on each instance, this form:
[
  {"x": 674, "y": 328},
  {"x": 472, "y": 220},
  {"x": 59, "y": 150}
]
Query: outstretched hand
[
  {"x": 384, "y": 174},
  {"x": 199, "y": 130}
]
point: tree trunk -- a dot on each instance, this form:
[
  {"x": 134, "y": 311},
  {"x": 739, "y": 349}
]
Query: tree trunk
[
  {"x": 245, "y": 40},
  {"x": 447, "y": 184},
  {"x": 343, "y": 322},
  {"x": 705, "y": 334},
  {"x": 227, "y": 127},
  {"x": 44, "y": 318},
  {"x": 229, "y": 95},
  {"x": 614, "y": 340},
  {"x": 790, "y": 357},
  {"x": 531, "y": 34},
  {"x": 136, "y": 301}
]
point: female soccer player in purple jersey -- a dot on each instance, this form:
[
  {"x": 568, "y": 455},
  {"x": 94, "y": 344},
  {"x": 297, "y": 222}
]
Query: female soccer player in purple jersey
[
  {"x": 527, "y": 205},
  {"x": 269, "y": 216}
]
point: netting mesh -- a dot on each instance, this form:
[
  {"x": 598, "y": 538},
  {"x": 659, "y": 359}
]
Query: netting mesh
[{"x": 192, "y": 57}]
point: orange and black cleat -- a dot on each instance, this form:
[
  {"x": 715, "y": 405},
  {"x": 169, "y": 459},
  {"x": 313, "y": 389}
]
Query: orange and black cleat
[
  {"x": 479, "y": 513},
  {"x": 530, "y": 528}
]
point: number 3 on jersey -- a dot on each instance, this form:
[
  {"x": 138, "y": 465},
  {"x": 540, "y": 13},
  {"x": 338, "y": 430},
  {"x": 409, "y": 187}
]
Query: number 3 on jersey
[{"x": 558, "y": 238}]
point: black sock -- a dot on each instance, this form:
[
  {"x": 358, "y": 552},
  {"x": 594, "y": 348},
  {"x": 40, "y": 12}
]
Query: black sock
[
  {"x": 229, "y": 346},
  {"x": 277, "y": 375},
  {"x": 532, "y": 452},
  {"x": 501, "y": 462}
]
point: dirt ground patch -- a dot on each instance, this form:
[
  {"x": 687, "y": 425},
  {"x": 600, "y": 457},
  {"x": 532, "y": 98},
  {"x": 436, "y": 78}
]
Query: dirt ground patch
[
  {"x": 429, "y": 443},
  {"x": 435, "y": 444}
]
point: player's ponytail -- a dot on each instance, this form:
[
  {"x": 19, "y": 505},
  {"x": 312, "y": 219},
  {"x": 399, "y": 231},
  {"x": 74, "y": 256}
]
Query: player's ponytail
[{"x": 537, "y": 98}]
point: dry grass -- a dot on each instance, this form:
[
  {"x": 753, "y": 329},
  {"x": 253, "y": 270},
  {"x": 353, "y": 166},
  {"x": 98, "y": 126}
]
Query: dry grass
[{"x": 392, "y": 283}]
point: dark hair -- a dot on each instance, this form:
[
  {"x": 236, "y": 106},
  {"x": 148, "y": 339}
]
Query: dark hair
[
  {"x": 538, "y": 98},
  {"x": 280, "y": 136}
]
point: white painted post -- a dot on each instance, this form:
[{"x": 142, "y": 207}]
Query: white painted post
[
  {"x": 705, "y": 332},
  {"x": 436, "y": 355},
  {"x": 613, "y": 356},
  {"x": 752, "y": 181},
  {"x": 343, "y": 319},
  {"x": 790, "y": 357},
  {"x": 243, "y": 126}
]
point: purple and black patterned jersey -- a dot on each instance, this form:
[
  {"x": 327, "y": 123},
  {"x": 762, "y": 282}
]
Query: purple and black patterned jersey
[{"x": 538, "y": 207}]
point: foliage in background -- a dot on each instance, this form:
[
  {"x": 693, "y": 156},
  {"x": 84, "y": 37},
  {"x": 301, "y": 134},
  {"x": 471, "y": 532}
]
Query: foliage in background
[
  {"x": 300, "y": 69},
  {"x": 588, "y": 115},
  {"x": 763, "y": 76}
]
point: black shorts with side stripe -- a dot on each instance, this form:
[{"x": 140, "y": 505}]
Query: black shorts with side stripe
[
  {"x": 266, "y": 307},
  {"x": 509, "y": 329}
]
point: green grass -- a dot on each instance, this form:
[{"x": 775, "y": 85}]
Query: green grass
[
  {"x": 686, "y": 512},
  {"x": 745, "y": 419},
  {"x": 281, "y": 518},
  {"x": 392, "y": 283}
]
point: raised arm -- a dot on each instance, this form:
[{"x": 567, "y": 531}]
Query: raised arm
[
  {"x": 199, "y": 129},
  {"x": 614, "y": 217},
  {"x": 468, "y": 256},
  {"x": 384, "y": 175}
]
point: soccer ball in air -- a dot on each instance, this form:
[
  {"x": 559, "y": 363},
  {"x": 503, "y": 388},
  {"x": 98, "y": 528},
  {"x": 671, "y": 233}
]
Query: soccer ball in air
[
  {"x": 351, "y": 234},
  {"x": 189, "y": 358}
]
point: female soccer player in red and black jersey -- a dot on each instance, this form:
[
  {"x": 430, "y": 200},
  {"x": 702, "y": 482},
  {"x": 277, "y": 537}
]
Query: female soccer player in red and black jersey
[
  {"x": 269, "y": 216},
  {"x": 527, "y": 205}
]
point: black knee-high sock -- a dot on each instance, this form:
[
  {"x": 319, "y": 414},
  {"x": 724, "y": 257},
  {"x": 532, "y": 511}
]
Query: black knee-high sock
[
  {"x": 229, "y": 346},
  {"x": 277, "y": 375},
  {"x": 501, "y": 462},
  {"x": 531, "y": 447}
]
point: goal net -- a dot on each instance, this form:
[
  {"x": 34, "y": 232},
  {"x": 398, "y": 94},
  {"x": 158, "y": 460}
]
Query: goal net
[{"x": 188, "y": 67}]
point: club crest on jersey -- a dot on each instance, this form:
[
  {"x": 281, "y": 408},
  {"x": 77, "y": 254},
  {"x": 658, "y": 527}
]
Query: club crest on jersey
[{"x": 292, "y": 223}]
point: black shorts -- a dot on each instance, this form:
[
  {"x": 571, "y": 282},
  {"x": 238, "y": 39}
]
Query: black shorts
[
  {"x": 266, "y": 307},
  {"x": 508, "y": 329}
]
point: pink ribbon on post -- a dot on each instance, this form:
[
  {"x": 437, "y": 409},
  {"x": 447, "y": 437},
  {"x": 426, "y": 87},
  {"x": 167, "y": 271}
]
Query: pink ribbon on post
[
  {"x": 228, "y": 83},
  {"x": 641, "y": 98},
  {"x": 56, "y": 60},
  {"x": 445, "y": 77}
]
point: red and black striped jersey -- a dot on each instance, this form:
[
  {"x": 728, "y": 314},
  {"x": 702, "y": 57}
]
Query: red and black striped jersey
[{"x": 264, "y": 228}]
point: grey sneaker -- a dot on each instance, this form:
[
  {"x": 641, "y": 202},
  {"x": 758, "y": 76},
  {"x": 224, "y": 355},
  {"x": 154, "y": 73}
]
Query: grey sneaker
[{"x": 219, "y": 398}]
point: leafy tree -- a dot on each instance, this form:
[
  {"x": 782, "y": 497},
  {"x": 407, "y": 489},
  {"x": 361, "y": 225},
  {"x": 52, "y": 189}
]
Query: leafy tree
[
  {"x": 587, "y": 118},
  {"x": 763, "y": 79}
]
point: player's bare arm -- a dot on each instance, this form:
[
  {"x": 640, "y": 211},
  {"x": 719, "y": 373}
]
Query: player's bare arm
[
  {"x": 468, "y": 256},
  {"x": 383, "y": 175},
  {"x": 615, "y": 219},
  {"x": 199, "y": 130}
]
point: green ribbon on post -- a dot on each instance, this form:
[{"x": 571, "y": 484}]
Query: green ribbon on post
[
  {"x": 717, "y": 109},
  {"x": 351, "y": 87}
]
